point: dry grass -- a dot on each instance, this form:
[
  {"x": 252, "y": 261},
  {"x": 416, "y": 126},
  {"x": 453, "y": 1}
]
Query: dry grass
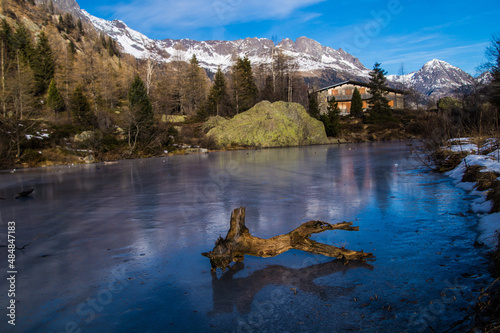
[
  {"x": 487, "y": 307},
  {"x": 446, "y": 160},
  {"x": 494, "y": 196},
  {"x": 486, "y": 181}
]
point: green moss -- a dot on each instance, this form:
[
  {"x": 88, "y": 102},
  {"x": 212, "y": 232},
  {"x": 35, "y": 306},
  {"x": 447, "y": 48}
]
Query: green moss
[{"x": 269, "y": 125}]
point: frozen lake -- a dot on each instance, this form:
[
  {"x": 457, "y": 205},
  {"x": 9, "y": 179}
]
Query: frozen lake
[{"x": 119, "y": 245}]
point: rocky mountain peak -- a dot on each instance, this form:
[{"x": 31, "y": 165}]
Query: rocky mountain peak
[
  {"x": 435, "y": 78},
  {"x": 309, "y": 46},
  {"x": 309, "y": 55}
]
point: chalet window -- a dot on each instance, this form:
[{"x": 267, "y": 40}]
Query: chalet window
[
  {"x": 345, "y": 106},
  {"x": 362, "y": 91},
  {"x": 348, "y": 91}
]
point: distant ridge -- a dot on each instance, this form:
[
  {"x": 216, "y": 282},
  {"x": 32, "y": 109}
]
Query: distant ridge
[
  {"x": 319, "y": 65},
  {"x": 309, "y": 55}
]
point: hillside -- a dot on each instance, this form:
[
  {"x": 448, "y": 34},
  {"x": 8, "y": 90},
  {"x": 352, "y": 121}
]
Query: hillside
[{"x": 61, "y": 78}]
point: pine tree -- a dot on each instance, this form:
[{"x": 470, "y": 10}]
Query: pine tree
[
  {"x": 43, "y": 65},
  {"x": 195, "y": 86},
  {"x": 267, "y": 92},
  {"x": 112, "y": 47},
  {"x": 81, "y": 109},
  {"x": 379, "y": 108},
  {"x": 7, "y": 51},
  {"x": 60, "y": 24},
  {"x": 79, "y": 26},
  {"x": 331, "y": 119},
  {"x": 493, "y": 55},
  {"x": 313, "y": 106},
  {"x": 141, "y": 109},
  {"x": 54, "y": 98},
  {"x": 72, "y": 47},
  {"x": 356, "y": 104},
  {"x": 69, "y": 23},
  {"x": 244, "y": 87},
  {"x": 281, "y": 68},
  {"x": 24, "y": 44},
  {"x": 7, "y": 41},
  {"x": 218, "y": 98}
]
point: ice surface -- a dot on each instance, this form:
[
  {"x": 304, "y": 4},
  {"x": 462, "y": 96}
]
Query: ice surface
[{"x": 119, "y": 245}]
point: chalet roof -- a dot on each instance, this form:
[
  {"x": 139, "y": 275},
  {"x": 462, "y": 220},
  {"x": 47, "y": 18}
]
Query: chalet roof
[{"x": 357, "y": 83}]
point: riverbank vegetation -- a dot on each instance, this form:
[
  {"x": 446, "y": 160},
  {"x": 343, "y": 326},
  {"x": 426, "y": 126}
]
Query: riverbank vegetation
[{"x": 68, "y": 95}]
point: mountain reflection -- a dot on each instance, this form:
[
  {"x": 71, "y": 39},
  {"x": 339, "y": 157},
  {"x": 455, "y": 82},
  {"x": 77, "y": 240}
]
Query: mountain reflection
[{"x": 240, "y": 292}]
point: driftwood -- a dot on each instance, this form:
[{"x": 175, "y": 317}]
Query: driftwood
[{"x": 239, "y": 242}]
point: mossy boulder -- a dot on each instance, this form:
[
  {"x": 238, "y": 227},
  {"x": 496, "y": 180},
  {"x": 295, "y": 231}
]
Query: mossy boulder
[{"x": 278, "y": 124}]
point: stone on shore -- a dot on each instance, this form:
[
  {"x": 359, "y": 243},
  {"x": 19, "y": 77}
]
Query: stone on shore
[{"x": 278, "y": 124}]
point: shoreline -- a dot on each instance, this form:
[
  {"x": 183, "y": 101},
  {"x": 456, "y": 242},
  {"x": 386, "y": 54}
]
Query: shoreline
[
  {"x": 475, "y": 168},
  {"x": 181, "y": 152},
  {"x": 81, "y": 160}
]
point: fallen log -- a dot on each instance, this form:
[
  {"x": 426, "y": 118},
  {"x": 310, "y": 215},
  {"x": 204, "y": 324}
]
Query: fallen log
[{"x": 239, "y": 242}]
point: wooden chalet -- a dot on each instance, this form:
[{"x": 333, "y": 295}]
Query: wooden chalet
[{"x": 343, "y": 95}]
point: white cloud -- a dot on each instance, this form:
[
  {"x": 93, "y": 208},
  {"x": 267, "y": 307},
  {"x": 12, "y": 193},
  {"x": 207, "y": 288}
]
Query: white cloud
[{"x": 149, "y": 15}]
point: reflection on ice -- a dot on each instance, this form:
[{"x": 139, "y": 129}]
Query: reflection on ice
[{"x": 229, "y": 291}]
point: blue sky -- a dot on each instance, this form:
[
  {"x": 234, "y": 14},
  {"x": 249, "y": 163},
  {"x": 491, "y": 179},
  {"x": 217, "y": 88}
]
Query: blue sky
[{"x": 392, "y": 32}]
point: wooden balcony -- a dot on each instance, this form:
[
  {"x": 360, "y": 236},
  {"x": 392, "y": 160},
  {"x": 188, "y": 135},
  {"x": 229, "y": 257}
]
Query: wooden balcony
[{"x": 344, "y": 98}]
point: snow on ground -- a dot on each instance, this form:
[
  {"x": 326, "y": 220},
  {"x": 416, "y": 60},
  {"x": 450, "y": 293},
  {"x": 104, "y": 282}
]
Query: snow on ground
[
  {"x": 488, "y": 223},
  {"x": 487, "y": 227},
  {"x": 462, "y": 145}
]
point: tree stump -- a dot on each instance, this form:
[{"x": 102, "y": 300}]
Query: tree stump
[{"x": 239, "y": 242}]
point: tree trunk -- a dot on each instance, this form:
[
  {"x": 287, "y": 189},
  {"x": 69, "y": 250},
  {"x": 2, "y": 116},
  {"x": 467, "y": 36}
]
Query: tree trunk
[
  {"x": 239, "y": 242},
  {"x": 4, "y": 107},
  {"x": 20, "y": 87}
]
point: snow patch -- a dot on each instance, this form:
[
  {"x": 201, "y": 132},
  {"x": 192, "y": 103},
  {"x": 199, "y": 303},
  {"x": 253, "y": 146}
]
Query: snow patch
[{"x": 489, "y": 223}]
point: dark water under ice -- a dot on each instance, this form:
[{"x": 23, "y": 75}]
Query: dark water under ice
[{"x": 118, "y": 247}]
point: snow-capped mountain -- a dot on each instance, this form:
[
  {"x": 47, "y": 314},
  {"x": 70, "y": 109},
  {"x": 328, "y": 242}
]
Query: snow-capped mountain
[
  {"x": 435, "y": 78},
  {"x": 485, "y": 78},
  {"x": 319, "y": 64},
  {"x": 309, "y": 55}
]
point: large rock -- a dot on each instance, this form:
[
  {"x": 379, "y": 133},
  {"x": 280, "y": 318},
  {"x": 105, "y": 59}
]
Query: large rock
[
  {"x": 85, "y": 136},
  {"x": 269, "y": 125}
]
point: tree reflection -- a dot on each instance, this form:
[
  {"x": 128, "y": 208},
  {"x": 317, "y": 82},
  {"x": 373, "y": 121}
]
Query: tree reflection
[{"x": 240, "y": 292}]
